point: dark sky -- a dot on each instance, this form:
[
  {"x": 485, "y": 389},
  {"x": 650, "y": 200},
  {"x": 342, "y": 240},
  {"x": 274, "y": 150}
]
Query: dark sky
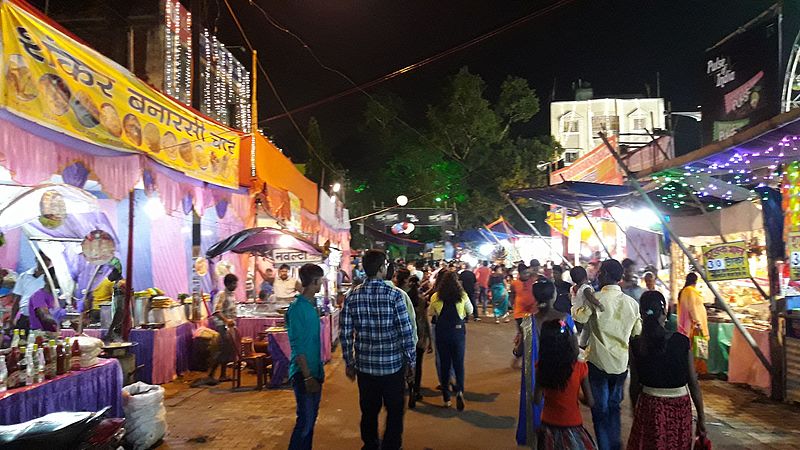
[{"x": 618, "y": 46}]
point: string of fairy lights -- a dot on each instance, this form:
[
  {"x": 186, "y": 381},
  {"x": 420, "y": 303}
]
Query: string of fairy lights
[
  {"x": 225, "y": 82},
  {"x": 713, "y": 183}
]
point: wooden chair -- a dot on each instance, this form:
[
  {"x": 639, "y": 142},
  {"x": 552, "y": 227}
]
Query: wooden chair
[{"x": 245, "y": 355}]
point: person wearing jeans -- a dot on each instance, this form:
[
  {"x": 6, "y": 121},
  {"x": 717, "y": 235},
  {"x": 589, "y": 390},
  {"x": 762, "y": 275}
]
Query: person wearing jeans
[
  {"x": 452, "y": 308},
  {"x": 607, "y": 391},
  {"x": 306, "y": 371},
  {"x": 614, "y": 319},
  {"x": 378, "y": 349}
]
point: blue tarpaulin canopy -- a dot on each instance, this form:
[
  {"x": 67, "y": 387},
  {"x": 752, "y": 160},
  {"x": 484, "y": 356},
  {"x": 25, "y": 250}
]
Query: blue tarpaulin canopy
[{"x": 571, "y": 194}]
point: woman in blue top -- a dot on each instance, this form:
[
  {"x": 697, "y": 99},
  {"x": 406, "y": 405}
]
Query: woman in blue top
[{"x": 530, "y": 413}]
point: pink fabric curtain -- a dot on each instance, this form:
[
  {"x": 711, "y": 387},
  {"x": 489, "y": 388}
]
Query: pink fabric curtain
[{"x": 9, "y": 253}]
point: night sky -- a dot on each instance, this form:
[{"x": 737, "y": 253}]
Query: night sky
[{"x": 618, "y": 46}]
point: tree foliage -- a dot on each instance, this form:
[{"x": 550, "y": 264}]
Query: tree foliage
[
  {"x": 467, "y": 150},
  {"x": 320, "y": 159}
]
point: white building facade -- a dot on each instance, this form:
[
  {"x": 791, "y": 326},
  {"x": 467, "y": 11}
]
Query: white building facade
[{"x": 575, "y": 124}]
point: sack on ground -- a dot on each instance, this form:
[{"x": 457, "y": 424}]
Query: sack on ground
[{"x": 145, "y": 415}]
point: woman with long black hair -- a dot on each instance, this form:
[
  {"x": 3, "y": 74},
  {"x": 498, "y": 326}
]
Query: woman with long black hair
[
  {"x": 692, "y": 317},
  {"x": 451, "y": 306},
  {"x": 528, "y": 347},
  {"x": 663, "y": 383},
  {"x": 560, "y": 379},
  {"x": 423, "y": 336}
]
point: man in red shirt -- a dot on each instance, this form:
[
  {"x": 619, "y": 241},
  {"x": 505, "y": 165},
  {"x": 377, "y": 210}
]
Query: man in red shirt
[
  {"x": 522, "y": 293},
  {"x": 482, "y": 275}
]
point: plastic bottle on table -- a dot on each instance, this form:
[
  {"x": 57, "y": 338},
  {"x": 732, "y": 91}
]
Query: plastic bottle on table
[
  {"x": 50, "y": 360},
  {"x": 13, "y": 368},
  {"x": 40, "y": 365},
  {"x": 75, "y": 356},
  {"x": 15, "y": 339},
  {"x": 31, "y": 338},
  {"x": 3, "y": 374},
  {"x": 60, "y": 369},
  {"x": 30, "y": 365}
]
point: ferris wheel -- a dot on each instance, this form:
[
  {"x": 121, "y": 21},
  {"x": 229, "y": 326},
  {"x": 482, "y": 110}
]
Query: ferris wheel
[{"x": 791, "y": 84}]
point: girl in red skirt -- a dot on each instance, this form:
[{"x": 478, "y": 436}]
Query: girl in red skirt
[
  {"x": 560, "y": 378},
  {"x": 663, "y": 378}
]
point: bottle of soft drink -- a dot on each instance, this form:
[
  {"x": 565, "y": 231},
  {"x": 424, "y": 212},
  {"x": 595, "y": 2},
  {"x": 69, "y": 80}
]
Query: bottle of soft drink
[
  {"x": 15, "y": 338},
  {"x": 3, "y": 374},
  {"x": 23, "y": 366}
]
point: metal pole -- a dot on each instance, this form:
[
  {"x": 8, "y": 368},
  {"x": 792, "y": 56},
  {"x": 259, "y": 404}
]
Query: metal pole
[
  {"x": 535, "y": 231},
  {"x": 126, "y": 318},
  {"x": 635, "y": 247},
  {"x": 700, "y": 269}
]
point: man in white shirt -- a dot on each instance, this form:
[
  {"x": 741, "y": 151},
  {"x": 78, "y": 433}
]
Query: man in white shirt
[
  {"x": 27, "y": 284},
  {"x": 611, "y": 329},
  {"x": 285, "y": 287}
]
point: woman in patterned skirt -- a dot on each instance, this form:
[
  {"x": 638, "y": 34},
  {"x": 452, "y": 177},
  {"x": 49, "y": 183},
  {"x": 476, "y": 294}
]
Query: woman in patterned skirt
[{"x": 663, "y": 383}]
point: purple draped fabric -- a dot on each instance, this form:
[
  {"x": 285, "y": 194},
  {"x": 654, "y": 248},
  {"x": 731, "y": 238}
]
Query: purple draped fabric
[
  {"x": 280, "y": 357},
  {"x": 222, "y": 208},
  {"x": 183, "y": 347},
  {"x": 76, "y": 175},
  {"x": 85, "y": 390},
  {"x": 187, "y": 204}
]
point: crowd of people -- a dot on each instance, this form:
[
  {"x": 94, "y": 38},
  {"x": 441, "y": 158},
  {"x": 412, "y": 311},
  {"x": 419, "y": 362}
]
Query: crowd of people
[{"x": 577, "y": 340}]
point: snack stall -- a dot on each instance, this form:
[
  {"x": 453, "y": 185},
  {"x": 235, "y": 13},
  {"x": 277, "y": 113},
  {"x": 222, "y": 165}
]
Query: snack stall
[
  {"x": 736, "y": 262},
  {"x": 264, "y": 321},
  {"x": 44, "y": 373}
]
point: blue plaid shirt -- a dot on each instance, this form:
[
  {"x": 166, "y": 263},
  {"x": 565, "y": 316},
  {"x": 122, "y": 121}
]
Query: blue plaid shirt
[{"x": 375, "y": 324}]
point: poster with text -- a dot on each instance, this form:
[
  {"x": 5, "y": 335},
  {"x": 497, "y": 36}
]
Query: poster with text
[
  {"x": 793, "y": 250},
  {"x": 741, "y": 79},
  {"x": 53, "y": 80},
  {"x": 726, "y": 261}
]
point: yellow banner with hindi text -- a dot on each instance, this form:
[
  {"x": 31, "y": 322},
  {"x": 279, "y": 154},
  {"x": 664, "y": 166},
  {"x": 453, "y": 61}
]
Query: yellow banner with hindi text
[
  {"x": 726, "y": 261},
  {"x": 53, "y": 80}
]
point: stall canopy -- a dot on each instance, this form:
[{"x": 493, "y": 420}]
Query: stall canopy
[
  {"x": 577, "y": 194},
  {"x": 261, "y": 241}
]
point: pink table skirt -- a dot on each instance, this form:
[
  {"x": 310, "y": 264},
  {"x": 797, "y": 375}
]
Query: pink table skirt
[
  {"x": 743, "y": 364},
  {"x": 251, "y": 326},
  {"x": 282, "y": 339}
]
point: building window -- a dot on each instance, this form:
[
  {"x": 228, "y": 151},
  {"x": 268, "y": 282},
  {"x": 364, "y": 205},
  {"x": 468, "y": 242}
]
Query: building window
[
  {"x": 570, "y": 125},
  {"x": 571, "y": 157},
  {"x": 639, "y": 123},
  {"x": 608, "y": 124}
]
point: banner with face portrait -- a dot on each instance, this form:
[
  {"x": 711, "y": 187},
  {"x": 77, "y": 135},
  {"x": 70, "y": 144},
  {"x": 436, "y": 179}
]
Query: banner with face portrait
[{"x": 53, "y": 80}]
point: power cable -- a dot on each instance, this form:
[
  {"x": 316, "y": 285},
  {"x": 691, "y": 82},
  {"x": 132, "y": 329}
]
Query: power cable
[
  {"x": 274, "y": 90},
  {"x": 431, "y": 59}
]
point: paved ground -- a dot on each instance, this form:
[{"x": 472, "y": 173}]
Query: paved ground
[{"x": 217, "y": 418}]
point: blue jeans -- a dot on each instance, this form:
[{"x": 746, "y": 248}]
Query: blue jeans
[
  {"x": 608, "y": 391},
  {"x": 307, "y": 409},
  {"x": 483, "y": 298},
  {"x": 451, "y": 344},
  {"x": 438, "y": 360}
]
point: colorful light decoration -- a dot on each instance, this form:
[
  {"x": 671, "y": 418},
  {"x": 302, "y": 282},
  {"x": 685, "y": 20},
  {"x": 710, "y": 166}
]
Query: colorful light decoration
[
  {"x": 178, "y": 52},
  {"x": 225, "y": 82}
]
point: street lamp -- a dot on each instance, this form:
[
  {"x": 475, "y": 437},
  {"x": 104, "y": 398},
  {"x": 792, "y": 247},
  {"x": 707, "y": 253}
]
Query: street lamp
[
  {"x": 402, "y": 200},
  {"x": 337, "y": 187}
]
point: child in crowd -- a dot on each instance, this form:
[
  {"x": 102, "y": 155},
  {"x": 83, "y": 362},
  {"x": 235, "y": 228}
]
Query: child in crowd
[
  {"x": 582, "y": 292},
  {"x": 560, "y": 378}
]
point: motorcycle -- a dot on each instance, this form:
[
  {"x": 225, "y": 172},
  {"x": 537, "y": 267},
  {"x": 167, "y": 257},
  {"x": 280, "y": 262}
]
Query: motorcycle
[{"x": 65, "y": 430}]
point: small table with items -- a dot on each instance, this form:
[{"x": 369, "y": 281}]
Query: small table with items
[{"x": 90, "y": 389}]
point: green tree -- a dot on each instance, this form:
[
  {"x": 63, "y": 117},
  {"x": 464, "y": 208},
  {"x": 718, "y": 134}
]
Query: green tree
[
  {"x": 467, "y": 150},
  {"x": 320, "y": 160}
]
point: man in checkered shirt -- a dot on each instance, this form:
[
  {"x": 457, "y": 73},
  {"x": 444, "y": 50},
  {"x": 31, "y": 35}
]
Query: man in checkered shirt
[{"x": 378, "y": 348}]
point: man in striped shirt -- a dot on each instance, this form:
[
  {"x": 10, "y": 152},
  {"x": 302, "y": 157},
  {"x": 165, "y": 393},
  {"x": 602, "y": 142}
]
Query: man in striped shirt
[{"x": 378, "y": 349}]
